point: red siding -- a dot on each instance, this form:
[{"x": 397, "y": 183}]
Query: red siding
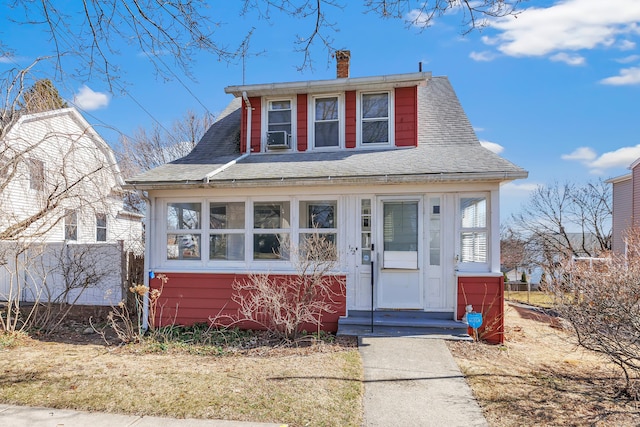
[
  {"x": 406, "y": 112},
  {"x": 350, "y": 119},
  {"x": 189, "y": 298},
  {"x": 256, "y": 124},
  {"x": 302, "y": 123},
  {"x": 486, "y": 295}
]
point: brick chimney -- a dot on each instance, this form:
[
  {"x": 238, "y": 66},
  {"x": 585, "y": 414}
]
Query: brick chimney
[{"x": 342, "y": 63}]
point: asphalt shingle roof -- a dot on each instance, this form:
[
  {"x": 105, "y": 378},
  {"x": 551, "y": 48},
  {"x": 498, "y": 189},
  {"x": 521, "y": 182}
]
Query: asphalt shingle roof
[{"x": 448, "y": 149}]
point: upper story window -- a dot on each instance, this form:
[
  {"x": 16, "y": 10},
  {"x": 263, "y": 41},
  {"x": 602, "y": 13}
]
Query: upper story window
[
  {"x": 70, "y": 225},
  {"x": 326, "y": 122},
  {"x": 101, "y": 227},
  {"x": 375, "y": 112},
  {"x": 36, "y": 174},
  {"x": 279, "y": 123}
]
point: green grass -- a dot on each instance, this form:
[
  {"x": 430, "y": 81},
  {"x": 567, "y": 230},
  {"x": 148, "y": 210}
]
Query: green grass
[{"x": 537, "y": 298}]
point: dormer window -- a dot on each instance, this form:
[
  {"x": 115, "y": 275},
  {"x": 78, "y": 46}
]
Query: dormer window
[
  {"x": 375, "y": 111},
  {"x": 326, "y": 122},
  {"x": 279, "y": 124}
]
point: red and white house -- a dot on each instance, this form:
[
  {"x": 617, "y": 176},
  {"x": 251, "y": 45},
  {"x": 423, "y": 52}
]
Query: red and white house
[{"x": 389, "y": 167}]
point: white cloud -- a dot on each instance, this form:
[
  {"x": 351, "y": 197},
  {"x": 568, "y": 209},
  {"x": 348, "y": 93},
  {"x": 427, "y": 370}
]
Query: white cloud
[
  {"x": 484, "y": 56},
  {"x": 568, "y": 25},
  {"x": 568, "y": 59},
  {"x": 628, "y": 59},
  {"x": 620, "y": 158},
  {"x": 626, "y": 45},
  {"x": 517, "y": 189},
  {"x": 627, "y": 76},
  {"x": 492, "y": 146},
  {"x": 6, "y": 60},
  {"x": 583, "y": 154},
  {"x": 89, "y": 100}
]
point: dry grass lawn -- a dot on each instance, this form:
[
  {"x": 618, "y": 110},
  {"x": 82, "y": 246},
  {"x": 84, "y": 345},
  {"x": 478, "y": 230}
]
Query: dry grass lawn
[
  {"x": 537, "y": 298},
  {"x": 541, "y": 378},
  {"x": 311, "y": 386}
]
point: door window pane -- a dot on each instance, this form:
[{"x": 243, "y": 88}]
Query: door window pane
[{"x": 401, "y": 226}]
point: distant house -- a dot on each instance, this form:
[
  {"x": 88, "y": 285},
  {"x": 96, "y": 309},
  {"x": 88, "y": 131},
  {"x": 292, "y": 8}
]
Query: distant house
[
  {"x": 61, "y": 200},
  {"x": 626, "y": 206},
  {"x": 387, "y": 167}
]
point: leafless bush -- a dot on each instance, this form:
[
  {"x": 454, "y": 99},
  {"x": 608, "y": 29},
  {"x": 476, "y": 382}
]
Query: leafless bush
[
  {"x": 285, "y": 304},
  {"x": 601, "y": 301},
  {"x": 128, "y": 325}
]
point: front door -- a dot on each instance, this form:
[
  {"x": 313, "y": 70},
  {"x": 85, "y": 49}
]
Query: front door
[{"x": 399, "y": 283}]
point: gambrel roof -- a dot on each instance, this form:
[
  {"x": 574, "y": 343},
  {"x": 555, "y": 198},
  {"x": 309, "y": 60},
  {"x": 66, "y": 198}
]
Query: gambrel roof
[{"x": 448, "y": 150}]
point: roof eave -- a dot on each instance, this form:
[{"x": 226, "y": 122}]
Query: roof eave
[
  {"x": 316, "y": 86},
  {"x": 329, "y": 180}
]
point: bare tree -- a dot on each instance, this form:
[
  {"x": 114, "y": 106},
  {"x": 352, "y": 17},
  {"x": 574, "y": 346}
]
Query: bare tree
[
  {"x": 180, "y": 29},
  {"x": 149, "y": 149},
  {"x": 601, "y": 301},
  {"x": 564, "y": 221}
]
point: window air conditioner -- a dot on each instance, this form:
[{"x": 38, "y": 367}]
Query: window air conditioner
[{"x": 278, "y": 139}]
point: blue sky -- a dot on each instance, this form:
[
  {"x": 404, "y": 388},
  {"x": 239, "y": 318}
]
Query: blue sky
[{"x": 555, "y": 90}]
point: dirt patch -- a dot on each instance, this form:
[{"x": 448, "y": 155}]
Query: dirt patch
[{"x": 541, "y": 377}]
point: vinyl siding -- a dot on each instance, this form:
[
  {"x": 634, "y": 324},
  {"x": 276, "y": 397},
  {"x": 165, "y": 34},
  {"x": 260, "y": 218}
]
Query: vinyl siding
[{"x": 622, "y": 213}]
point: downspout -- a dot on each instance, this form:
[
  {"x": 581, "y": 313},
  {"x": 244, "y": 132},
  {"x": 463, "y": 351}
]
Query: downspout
[
  {"x": 147, "y": 257},
  {"x": 227, "y": 165}
]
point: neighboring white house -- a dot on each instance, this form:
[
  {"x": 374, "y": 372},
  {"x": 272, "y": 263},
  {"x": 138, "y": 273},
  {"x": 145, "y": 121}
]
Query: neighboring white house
[{"x": 60, "y": 186}]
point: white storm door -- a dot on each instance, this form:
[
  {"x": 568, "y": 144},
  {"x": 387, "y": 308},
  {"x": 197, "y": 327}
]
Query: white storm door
[{"x": 399, "y": 283}]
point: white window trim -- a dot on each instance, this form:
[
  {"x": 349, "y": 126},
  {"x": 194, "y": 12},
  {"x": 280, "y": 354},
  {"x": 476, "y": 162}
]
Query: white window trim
[
  {"x": 265, "y": 124},
  {"x": 312, "y": 117},
  {"x": 204, "y": 242},
  {"x": 248, "y": 263},
  {"x": 391, "y": 112},
  {"x": 473, "y": 266}
]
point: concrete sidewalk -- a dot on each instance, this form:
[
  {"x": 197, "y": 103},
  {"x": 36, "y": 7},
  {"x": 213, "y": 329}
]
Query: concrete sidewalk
[
  {"x": 414, "y": 381},
  {"x": 20, "y": 416}
]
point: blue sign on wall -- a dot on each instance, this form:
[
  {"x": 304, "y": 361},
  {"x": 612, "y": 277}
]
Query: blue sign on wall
[{"x": 474, "y": 320}]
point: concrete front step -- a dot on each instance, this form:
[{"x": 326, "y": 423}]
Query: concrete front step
[{"x": 403, "y": 323}]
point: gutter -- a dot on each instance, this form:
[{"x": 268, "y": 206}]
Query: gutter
[
  {"x": 339, "y": 180},
  {"x": 147, "y": 257},
  {"x": 227, "y": 165}
]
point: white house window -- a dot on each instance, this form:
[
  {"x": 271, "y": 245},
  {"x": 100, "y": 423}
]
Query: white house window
[
  {"x": 101, "y": 227},
  {"x": 36, "y": 174},
  {"x": 279, "y": 123},
  {"x": 271, "y": 228},
  {"x": 374, "y": 116},
  {"x": 70, "y": 225},
  {"x": 326, "y": 122},
  {"x": 318, "y": 219},
  {"x": 226, "y": 231},
  {"x": 473, "y": 231},
  {"x": 184, "y": 231}
]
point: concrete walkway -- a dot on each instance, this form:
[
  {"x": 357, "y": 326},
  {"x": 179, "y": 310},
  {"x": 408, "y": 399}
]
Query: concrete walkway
[{"x": 414, "y": 381}]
